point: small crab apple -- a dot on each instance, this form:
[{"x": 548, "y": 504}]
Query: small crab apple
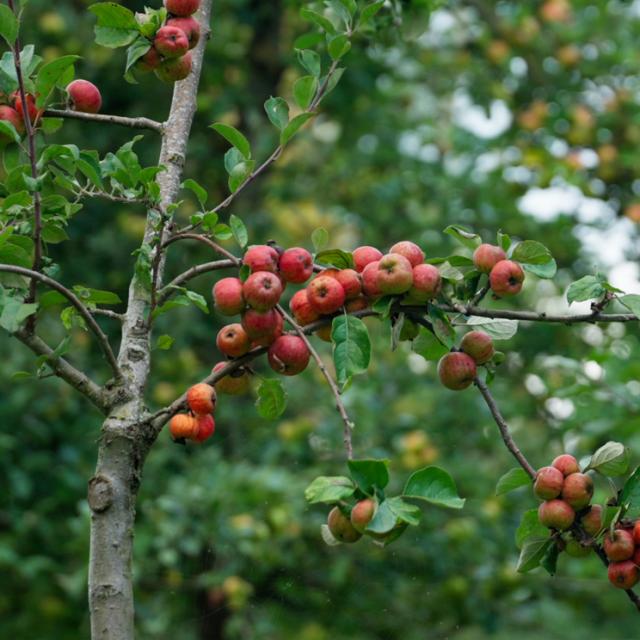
[
  {"x": 227, "y": 296},
  {"x": 301, "y": 308},
  {"x": 636, "y": 532},
  {"x": 175, "y": 69},
  {"x": 427, "y": 283},
  {"x": 171, "y": 42},
  {"x": 619, "y": 546},
  {"x": 268, "y": 339},
  {"x": 349, "y": 279},
  {"x": 261, "y": 324},
  {"x": 591, "y": 522},
  {"x": 548, "y": 483},
  {"x": 486, "y": 256},
  {"x": 296, "y": 265},
  {"x": 340, "y": 527},
  {"x": 84, "y": 96},
  {"x": 233, "y": 340},
  {"x": 235, "y": 383},
  {"x": 324, "y": 333},
  {"x": 456, "y": 370},
  {"x": 288, "y": 355},
  {"x": 395, "y": 274},
  {"x": 31, "y": 106},
  {"x": 326, "y": 295},
  {"x": 566, "y": 463},
  {"x": 577, "y": 490},
  {"x": 623, "y": 575},
  {"x": 576, "y": 550},
  {"x": 370, "y": 280},
  {"x": 149, "y": 61},
  {"x": 201, "y": 398},
  {"x": 262, "y": 290},
  {"x": 506, "y": 278},
  {"x": 357, "y": 304},
  {"x": 206, "y": 427},
  {"x": 10, "y": 115},
  {"x": 362, "y": 256},
  {"x": 411, "y": 251},
  {"x": 478, "y": 345},
  {"x": 556, "y": 514},
  {"x": 362, "y": 514},
  {"x": 189, "y": 25},
  {"x": 261, "y": 257},
  {"x": 183, "y": 426},
  {"x": 182, "y": 7}
]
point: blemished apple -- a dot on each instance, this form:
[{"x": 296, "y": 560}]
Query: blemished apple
[
  {"x": 261, "y": 257},
  {"x": 623, "y": 575},
  {"x": 457, "y": 370},
  {"x": 262, "y": 290},
  {"x": 288, "y": 355},
  {"x": 411, "y": 251},
  {"x": 233, "y": 341},
  {"x": 577, "y": 490},
  {"x": 479, "y": 345},
  {"x": 201, "y": 398},
  {"x": 548, "y": 483},
  {"x": 362, "y": 256},
  {"x": 326, "y": 295},
  {"x": 189, "y": 25},
  {"x": 175, "y": 69},
  {"x": 620, "y": 546},
  {"x": 235, "y": 383},
  {"x": 556, "y": 514},
  {"x": 395, "y": 274},
  {"x": 171, "y": 42},
  {"x": 506, "y": 278},
  {"x": 341, "y": 528}
]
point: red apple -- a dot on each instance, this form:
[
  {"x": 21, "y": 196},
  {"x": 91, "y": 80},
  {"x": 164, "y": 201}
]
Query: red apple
[
  {"x": 370, "y": 280},
  {"x": 486, "y": 256},
  {"x": 182, "y": 7},
  {"x": 548, "y": 483},
  {"x": 411, "y": 251},
  {"x": 566, "y": 463},
  {"x": 190, "y": 26},
  {"x": 201, "y": 398},
  {"x": 171, "y": 42},
  {"x": 261, "y": 257},
  {"x": 301, "y": 308},
  {"x": 623, "y": 575},
  {"x": 577, "y": 490},
  {"x": 395, "y": 274},
  {"x": 620, "y": 546},
  {"x": 84, "y": 96},
  {"x": 363, "y": 256},
  {"x": 206, "y": 427},
  {"x": 227, "y": 296},
  {"x": 326, "y": 295},
  {"x": 456, "y": 370},
  {"x": 427, "y": 283},
  {"x": 296, "y": 265},
  {"x": 175, "y": 69},
  {"x": 478, "y": 345},
  {"x": 506, "y": 278},
  {"x": 288, "y": 355},
  {"x": 262, "y": 290},
  {"x": 261, "y": 325},
  {"x": 233, "y": 340},
  {"x": 556, "y": 514}
]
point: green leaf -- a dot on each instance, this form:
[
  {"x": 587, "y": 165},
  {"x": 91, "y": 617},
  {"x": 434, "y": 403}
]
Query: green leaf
[
  {"x": 7, "y": 130},
  {"x": 339, "y": 46},
  {"x": 96, "y": 296},
  {"x": 428, "y": 346},
  {"x": 137, "y": 50},
  {"x": 233, "y": 136},
  {"x": 272, "y": 399},
  {"x": 630, "y": 495},
  {"x": 292, "y": 128},
  {"x": 222, "y": 231},
  {"x": 546, "y": 271},
  {"x": 8, "y": 25},
  {"x": 549, "y": 560},
  {"x": 239, "y": 174},
  {"x": 199, "y": 191},
  {"x": 198, "y": 301},
  {"x": 632, "y": 302},
  {"x": 464, "y": 236},
  {"x": 404, "y": 511},
  {"x": 50, "y": 76},
  {"x": 277, "y": 111},
  {"x": 530, "y": 527},
  {"x": 498, "y": 329},
  {"x": 587, "y": 288},
  {"x": 304, "y": 89},
  {"x": 164, "y": 342},
  {"x": 318, "y": 19},
  {"x": 531, "y": 252},
  {"x": 442, "y": 327},
  {"x": 434, "y": 485},
  {"x": 369, "y": 474},
  {"x": 533, "y": 550},
  {"x": 320, "y": 238},
  {"x": 384, "y": 519},
  {"x": 611, "y": 459},
  {"x": 351, "y": 347},
  {"x": 310, "y": 60},
  {"x": 239, "y": 230},
  {"x": 369, "y": 12},
  {"x": 503, "y": 240},
  {"x": 14, "y": 313},
  {"x": 117, "y": 25},
  {"x": 329, "y": 489},
  {"x": 335, "y": 258},
  {"x": 513, "y": 479}
]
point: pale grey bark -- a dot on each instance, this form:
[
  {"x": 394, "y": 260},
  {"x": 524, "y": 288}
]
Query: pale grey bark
[{"x": 125, "y": 439}]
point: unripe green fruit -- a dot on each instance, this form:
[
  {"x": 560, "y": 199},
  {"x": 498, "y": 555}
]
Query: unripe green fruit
[
  {"x": 175, "y": 69},
  {"x": 341, "y": 528},
  {"x": 362, "y": 514},
  {"x": 548, "y": 483},
  {"x": 576, "y": 550},
  {"x": 556, "y": 514},
  {"x": 234, "y": 384}
]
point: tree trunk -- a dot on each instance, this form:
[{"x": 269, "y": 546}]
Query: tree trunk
[{"x": 125, "y": 440}]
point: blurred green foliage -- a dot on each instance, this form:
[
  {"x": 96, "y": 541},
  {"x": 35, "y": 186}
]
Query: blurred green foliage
[{"x": 225, "y": 545}]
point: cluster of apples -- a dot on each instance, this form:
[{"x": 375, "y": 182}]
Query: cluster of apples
[
  {"x": 170, "y": 54},
  {"x": 622, "y": 548},
  {"x": 349, "y": 528},
  {"x": 457, "y": 370},
  {"x": 505, "y": 276},
  {"x": 198, "y": 424}
]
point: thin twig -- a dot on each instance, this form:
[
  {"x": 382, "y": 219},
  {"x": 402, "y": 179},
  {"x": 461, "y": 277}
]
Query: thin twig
[
  {"x": 187, "y": 275},
  {"x": 480, "y": 295},
  {"x": 77, "y": 304},
  {"x": 133, "y": 123},
  {"x": 205, "y": 240},
  {"x": 107, "y": 313},
  {"x": 348, "y": 423}
]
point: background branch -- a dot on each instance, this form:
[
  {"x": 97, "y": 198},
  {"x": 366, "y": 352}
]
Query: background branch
[{"x": 133, "y": 123}]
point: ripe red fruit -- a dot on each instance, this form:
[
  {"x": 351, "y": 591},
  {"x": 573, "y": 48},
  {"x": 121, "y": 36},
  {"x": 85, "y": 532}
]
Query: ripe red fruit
[
  {"x": 171, "y": 42},
  {"x": 261, "y": 257},
  {"x": 457, "y": 370},
  {"x": 227, "y": 296},
  {"x": 395, "y": 274},
  {"x": 577, "y": 490},
  {"x": 261, "y": 325},
  {"x": 427, "y": 283},
  {"x": 349, "y": 279},
  {"x": 566, "y": 463},
  {"x": 31, "y": 106},
  {"x": 548, "y": 483},
  {"x": 623, "y": 575},
  {"x": 201, "y": 398},
  {"x": 591, "y": 522},
  {"x": 262, "y": 290},
  {"x": 149, "y": 61},
  {"x": 235, "y": 383},
  {"x": 362, "y": 514},
  {"x": 233, "y": 340},
  {"x": 269, "y": 338},
  {"x": 506, "y": 278},
  {"x": 175, "y": 69},
  {"x": 288, "y": 355},
  {"x": 296, "y": 265},
  {"x": 357, "y": 304},
  {"x": 206, "y": 427},
  {"x": 478, "y": 345},
  {"x": 340, "y": 527},
  {"x": 10, "y": 115},
  {"x": 182, "y": 7},
  {"x": 486, "y": 256},
  {"x": 411, "y": 251},
  {"x": 301, "y": 308},
  {"x": 370, "y": 280},
  {"x": 362, "y": 256},
  {"x": 84, "y": 96},
  {"x": 190, "y": 26},
  {"x": 556, "y": 514},
  {"x": 326, "y": 295},
  {"x": 619, "y": 547},
  {"x": 183, "y": 426},
  {"x": 636, "y": 532}
]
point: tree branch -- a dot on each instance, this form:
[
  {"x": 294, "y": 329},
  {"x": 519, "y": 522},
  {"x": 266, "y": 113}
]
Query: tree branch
[
  {"x": 187, "y": 275},
  {"x": 133, "y": 123},
  {"x": 77, "y": 304},
  {"x": 204, "y": 240}
]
